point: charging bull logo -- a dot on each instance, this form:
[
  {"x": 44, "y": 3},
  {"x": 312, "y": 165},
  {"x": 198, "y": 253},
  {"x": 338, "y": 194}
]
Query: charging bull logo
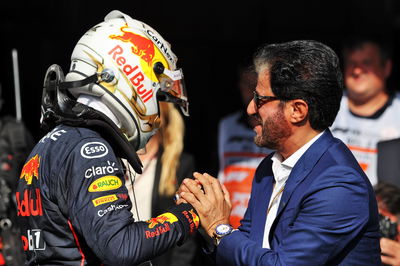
[
  {"x": 195, "y": 217},
  {"x": 160, "y": 225},
  {"x": 161, "y": 219},
  {"x": 31, "y": 169},
  {"x": 141, "y": 46}
]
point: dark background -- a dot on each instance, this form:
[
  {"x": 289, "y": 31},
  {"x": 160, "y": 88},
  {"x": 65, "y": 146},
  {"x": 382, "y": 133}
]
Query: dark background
[{"x": 209, "y": 37}]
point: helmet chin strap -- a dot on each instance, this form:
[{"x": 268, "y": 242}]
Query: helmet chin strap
[{"x": 80, "y": 83}]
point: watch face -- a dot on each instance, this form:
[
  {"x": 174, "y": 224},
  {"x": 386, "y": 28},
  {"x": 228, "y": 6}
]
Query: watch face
[{"x": 223, "y": 229}]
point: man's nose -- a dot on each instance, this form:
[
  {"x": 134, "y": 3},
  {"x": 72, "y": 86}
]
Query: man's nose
[
  {"x": 251, "y": 107},
  {"x": 356, "y": 69}
]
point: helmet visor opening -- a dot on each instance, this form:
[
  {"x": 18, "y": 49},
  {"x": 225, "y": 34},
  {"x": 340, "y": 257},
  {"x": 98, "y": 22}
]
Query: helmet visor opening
[{"x": 173, "y": 89}]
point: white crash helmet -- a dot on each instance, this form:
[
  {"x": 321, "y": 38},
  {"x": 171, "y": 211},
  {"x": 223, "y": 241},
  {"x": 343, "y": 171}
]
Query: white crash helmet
[{"x": 137, "y": 69}]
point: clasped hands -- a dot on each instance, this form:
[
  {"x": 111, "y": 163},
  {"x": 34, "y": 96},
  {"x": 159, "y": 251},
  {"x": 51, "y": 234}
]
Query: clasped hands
[{"x": 209, "y": 198}]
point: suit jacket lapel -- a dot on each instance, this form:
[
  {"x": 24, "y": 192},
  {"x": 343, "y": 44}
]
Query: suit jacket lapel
[
  {"x": 303, "y": 167},
  {"x": 262, "y": 196}
]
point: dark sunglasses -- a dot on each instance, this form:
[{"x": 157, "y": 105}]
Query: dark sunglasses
[{"x": 260, "y": 100}]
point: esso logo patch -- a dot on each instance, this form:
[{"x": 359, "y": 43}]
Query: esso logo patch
[{"x": 94, "y": 150}]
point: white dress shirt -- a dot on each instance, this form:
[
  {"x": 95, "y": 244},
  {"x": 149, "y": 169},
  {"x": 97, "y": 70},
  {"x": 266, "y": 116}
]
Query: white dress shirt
[{"x": 281, "y": 171}]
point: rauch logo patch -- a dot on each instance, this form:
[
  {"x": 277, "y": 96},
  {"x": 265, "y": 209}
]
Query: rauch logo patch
[{"x": 105, "y": 183}]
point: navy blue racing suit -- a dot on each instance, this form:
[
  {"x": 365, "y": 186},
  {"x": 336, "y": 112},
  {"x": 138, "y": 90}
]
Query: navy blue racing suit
[{"x": 74, "y": 209}]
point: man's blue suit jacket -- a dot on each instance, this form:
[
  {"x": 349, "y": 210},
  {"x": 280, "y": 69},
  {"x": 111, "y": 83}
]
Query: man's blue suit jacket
[{"x": 327, "y": 215}]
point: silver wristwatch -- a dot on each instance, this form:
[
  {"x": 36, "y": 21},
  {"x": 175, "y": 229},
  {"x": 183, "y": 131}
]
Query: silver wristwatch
[{"x": 220, "y": 231}]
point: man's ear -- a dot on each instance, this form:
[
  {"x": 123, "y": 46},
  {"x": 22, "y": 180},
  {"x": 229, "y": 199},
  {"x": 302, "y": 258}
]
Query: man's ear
[
  {"x": 298, "y": 111},
  {"x": 388, "y": 68}
]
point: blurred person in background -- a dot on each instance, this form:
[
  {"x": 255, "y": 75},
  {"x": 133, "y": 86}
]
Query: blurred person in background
[
  {"x": 388, "y": 197},
  {"x": 15, "y": 144},
  {"x": 165, "y": 165},
  {"x": 238, "y": 155},
  {"x": 369, "y": 109},
  {"x": 388, "y": 161}
]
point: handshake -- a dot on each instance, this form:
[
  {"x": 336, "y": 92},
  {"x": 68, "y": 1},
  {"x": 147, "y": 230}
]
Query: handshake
[{"x": 209, "y": 198}]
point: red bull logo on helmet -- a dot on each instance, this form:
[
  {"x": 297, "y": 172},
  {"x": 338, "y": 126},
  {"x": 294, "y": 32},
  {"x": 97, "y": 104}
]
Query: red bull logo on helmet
[
  {"x": 141, "y": 46},
  {"x": 31, "y": 169},
  {"x": 135, "y": 76}
]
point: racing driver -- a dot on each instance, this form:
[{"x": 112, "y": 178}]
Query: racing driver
[{"x": 73, "y": 207}]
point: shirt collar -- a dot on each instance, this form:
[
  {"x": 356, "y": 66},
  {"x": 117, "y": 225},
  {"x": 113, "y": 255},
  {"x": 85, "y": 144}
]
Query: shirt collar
[
  {"x": 292, "y": 160},
  {"x": 282, "y": 169}
]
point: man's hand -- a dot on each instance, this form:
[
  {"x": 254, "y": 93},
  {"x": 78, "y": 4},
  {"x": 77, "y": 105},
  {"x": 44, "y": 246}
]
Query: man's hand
[
  {"x": 390, "y": 252},
  {"x": 209, "y": 198},
  {"x": 183, "y": 188}
]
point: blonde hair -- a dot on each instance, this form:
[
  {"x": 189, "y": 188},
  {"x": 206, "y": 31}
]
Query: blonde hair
[{"x": 172, "y": 131}]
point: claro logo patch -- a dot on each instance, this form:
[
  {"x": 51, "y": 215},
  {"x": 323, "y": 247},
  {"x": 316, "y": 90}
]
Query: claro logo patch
[
  {"x": 105, "y": 183},
  {"x": 101, "y": 170},
  {"x": 94, "y": 150}
]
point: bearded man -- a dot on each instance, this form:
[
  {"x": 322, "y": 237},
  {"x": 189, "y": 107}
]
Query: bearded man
[{"x": 311, "y": 203}]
